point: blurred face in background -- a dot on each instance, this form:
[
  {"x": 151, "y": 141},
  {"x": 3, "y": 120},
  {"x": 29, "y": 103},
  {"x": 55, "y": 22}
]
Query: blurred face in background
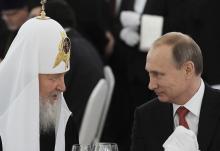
[
  {"x": 35, "y": 12},
  {"x": 14, "y": 18}
]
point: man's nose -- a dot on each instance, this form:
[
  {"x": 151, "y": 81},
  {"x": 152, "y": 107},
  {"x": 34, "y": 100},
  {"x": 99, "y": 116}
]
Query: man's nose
[
  {"x": 61, "y": 85},
  {"x": 152, "y": 84}
]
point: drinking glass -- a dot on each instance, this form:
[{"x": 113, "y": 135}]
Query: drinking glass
[
  {"x": 106, "y": 147},
  {"x": 82, "y": 147}
]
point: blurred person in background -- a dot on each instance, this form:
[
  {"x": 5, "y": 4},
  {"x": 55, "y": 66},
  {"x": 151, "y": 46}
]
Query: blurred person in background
[
  {"x": 14, "y": 13},
  {"x": 94, "y": 23}
]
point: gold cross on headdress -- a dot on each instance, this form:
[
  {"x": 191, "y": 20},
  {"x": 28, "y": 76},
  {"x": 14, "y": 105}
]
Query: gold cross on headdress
[
  {"x": 64, "y": 51},
  {"x": 43, "y": 14}
]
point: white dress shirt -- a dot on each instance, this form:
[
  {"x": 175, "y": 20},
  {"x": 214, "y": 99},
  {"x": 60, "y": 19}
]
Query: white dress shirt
[{"x": 194, "y": 106}]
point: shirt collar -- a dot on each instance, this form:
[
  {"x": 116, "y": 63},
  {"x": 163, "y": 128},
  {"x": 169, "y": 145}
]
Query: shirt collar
[{"x": 194, "y": 104}]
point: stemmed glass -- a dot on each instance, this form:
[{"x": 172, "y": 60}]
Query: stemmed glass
[
  {"x": 106, "y": 147},
  {"x": 81, "y": 147}
]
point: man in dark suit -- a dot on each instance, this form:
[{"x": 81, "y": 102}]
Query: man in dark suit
[{"x": 175, "y": 65}]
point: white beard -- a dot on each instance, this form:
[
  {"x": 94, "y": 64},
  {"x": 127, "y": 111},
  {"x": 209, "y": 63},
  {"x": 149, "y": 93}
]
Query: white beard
[{"x": 49, "y": 113}]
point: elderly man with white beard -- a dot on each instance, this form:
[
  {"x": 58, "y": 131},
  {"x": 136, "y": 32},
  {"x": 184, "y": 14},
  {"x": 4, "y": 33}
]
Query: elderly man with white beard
[{"x": 33, "y": 113}]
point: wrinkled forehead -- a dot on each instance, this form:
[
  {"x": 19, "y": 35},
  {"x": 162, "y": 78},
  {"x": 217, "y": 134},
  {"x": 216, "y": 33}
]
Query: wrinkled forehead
[
  {"x": 160, "y": 52},
  {"x": 159, "y": 56}
]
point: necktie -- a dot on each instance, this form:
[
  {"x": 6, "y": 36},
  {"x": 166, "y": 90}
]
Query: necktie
[{"x": 182, "y": 111}]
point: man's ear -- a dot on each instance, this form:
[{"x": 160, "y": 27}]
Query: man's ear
[{"x": 189, "y": 69}]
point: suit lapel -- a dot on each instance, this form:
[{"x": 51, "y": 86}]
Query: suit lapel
[{"x": 208, "y": 118}]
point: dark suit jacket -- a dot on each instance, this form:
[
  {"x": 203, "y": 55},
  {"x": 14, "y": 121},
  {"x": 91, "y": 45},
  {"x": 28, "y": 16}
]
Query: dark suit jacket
[{"x": 154, "y": 124}]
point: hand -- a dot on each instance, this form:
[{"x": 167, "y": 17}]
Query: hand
[
  {"x": 181, "y": 139},
  {"x": 129, "y": 36},
  {"x": 130, "y": 19}
]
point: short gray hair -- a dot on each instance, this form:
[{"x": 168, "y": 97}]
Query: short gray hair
[{"x": 184, "y": 49}]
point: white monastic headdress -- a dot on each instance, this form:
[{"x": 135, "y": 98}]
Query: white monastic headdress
[{"x": 41, "y": 46}]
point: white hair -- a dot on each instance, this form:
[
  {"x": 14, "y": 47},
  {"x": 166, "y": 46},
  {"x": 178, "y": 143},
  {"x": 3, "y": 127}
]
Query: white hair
[{"x": 49, "y": 113}]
